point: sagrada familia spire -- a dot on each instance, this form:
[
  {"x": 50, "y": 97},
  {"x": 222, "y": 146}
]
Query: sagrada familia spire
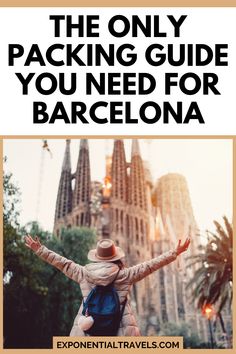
[
  {"x": 64, "y": 195},
  {"x": 73, "y": 207},
  {"x": 82, "y": 190}
]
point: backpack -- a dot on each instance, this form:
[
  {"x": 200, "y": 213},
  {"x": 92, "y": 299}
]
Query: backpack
[{"x": 103, "y": 305}]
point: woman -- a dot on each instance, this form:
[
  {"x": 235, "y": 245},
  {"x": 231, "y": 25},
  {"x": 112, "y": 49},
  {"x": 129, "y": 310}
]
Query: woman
[{"x": 105, "y": 269}]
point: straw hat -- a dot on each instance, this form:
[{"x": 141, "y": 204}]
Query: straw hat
[{"x": 106, "y": 251}]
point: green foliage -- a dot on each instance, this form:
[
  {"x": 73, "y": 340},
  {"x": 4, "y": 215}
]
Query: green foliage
[
  {"x": 212, "y": 282},
  {"x": 11, "y": 197},
  {"x": 39, "y": 301},
  {"x": 191, "y": 340}
]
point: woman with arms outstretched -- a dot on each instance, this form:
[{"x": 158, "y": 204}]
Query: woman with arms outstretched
[{"x": 107, "y": 268}]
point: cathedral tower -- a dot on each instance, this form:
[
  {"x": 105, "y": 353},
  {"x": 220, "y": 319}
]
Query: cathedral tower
[
  {"x": 118, "y": 197},
  {"x": 64, "y": 195},
  {"x": 139, "y": 241},
  {"x": 164, "y": 281},
  {"x": 82, "y": 190},
  {"x": 138, "y": 205},
  {"x": 173, "y": 200}
]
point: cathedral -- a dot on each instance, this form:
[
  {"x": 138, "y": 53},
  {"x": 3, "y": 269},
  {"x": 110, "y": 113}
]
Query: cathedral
[{"x": 145, "y": 218}]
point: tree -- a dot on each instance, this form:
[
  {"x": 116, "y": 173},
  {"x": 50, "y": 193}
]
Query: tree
[
  {"x": 47, "y": 302},
  {"x": 11, "y": 198},
  {"x": 212, "y": 282},
  {"x": 39, "y": 301},
  {"x": 191, "y": 340},
  {"x": 23, "y": 290}
]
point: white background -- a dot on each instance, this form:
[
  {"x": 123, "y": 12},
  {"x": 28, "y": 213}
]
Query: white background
[{"x": 31, "y": 25}]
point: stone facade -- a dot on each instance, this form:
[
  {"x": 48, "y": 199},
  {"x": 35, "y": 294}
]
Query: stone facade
[{"x": 176, "y": 220}]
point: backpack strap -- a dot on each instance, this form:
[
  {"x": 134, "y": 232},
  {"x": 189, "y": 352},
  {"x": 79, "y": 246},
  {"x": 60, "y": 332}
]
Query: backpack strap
[
  {"x": 123, "y": 308},
  {"x": 125, "y": 301}
]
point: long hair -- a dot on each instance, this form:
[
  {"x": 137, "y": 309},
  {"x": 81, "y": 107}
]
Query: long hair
[{"x": 120, "y": 264}]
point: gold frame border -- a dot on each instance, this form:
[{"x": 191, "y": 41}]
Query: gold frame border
[
  {"x": 118, "y": 3},
  {"x": 115, "y": 351}
]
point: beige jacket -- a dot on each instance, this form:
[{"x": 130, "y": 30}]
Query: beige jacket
[{"x": 103, "y": 273}]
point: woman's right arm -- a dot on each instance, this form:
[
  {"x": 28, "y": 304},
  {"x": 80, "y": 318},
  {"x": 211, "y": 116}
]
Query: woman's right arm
[{"x": 69, "y": 268}]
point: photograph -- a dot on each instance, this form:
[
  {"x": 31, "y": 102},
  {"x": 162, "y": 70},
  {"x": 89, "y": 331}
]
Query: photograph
[{"x": 122, "y": 237}]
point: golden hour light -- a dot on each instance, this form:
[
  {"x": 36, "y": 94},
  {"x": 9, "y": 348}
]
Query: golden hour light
[
  {"x": 107, "y": 183},
  {"x": 151, "y": 200},
  {"x": 208, "y": 311}
]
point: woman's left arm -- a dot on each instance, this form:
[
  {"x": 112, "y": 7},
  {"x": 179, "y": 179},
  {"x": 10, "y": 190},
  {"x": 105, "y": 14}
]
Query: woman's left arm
[{"x": 140, "y": 271}]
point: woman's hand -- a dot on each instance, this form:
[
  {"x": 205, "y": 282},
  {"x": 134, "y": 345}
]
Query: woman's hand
[
  {"x": 182, "y": 248},
  {"x": 34, "y": 245}
]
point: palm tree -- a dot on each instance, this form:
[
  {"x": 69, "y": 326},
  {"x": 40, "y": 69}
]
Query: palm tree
[{"x": 212, "y": 282}]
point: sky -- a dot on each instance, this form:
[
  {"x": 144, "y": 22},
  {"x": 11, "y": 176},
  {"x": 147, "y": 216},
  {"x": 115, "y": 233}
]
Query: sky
[{"x": 207, "y": 165}]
